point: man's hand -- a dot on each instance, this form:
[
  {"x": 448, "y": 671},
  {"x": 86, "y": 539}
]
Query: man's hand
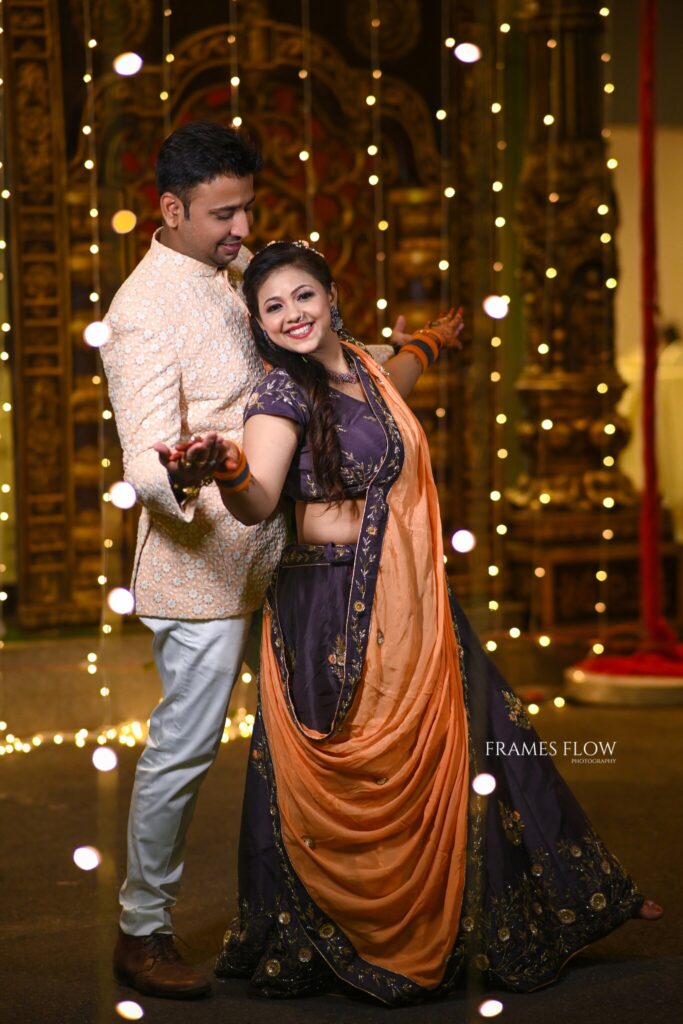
[
  {"x": 399, "y": 336},
  {"x": 190, "y": 462}
]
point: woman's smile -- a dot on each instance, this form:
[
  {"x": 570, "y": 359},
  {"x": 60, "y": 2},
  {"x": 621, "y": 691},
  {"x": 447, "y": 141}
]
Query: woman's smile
[{"x": 300, "y": 331}]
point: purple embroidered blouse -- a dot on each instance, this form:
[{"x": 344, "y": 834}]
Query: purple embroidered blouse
[{"x": 363, "y": 441}]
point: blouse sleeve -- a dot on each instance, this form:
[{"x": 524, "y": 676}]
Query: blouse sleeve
[{"x": 278, "y": 395}]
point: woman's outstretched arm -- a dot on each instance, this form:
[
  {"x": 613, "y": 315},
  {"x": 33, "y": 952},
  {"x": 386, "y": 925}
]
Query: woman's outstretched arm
[{"x": 251, "y": 480}]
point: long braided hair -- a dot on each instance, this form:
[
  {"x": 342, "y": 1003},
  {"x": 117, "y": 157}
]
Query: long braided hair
[{"x": 306, "y": 371}]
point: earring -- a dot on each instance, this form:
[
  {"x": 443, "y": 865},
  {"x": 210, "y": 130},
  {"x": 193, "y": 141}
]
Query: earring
[{"x": 336, "y": 322}]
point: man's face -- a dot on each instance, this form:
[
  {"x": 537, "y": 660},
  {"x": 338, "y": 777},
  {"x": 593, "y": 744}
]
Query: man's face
[{"x": 220, "y": 218}]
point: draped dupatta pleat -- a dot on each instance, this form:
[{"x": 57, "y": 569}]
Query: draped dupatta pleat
[{"x": 372, "y": 814}]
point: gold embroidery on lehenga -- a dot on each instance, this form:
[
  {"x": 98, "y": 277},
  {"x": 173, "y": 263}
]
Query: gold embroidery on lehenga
[{"x": 516, "y": 710}]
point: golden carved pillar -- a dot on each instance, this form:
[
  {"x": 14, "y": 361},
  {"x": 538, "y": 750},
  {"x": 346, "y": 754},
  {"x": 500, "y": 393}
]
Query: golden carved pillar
[
  {"x": 574, "y": 512},
  {"x": 40, "y": 297}
]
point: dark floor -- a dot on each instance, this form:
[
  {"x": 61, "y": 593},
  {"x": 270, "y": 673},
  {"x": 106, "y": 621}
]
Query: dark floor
[{"x": 58, "y": 923}]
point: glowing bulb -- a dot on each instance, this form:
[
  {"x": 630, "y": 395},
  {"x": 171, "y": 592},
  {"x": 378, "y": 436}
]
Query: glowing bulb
[
  {"x": 449, "y": 42},
  {"x": 170, "y": 57},
  {"x": 444, "y": 264},
  {"x": 129, "y": 1010},
  {"x": 612, "y": 163},
  {"x": 493, "y": 570},
  {"x": 94, "y": 296},
  {"x": 97, "y": 334},
  {"x": 554, "y": 197},
  {"x": 548, "y": 119},
  {"x": 501, "y": 529},
  {"x": 105, "y": 759},
  {"x": 123, "y": 221},
  {"x": 544, "y": 498},
  {"x": 373, "y": 179},
  {"x": 497, "y": 186},
  {"x": 490, "y": 1008},
  {"x": 501, "y": 418},
  {"x": 440, "y": 413},
  {"x": 604, "y": 11},
  {"x": 237, "y": 121},
  {"x": 601, "y": 575},
  {"x": 86, "y": 129},
  {"x": 483, "y": 784},
  {"x": 491, "y": 645},
  {"x": 543, "y": 349},
  {"x": 611, "y": 282},
  {"x": 496, "y": 306},
  {"x": 608, "y": 460},
  {"x": 235, "y": 81},
  {"x": 441, "y": 115},
  {"x": 598, "y": 648},
  {"x": 559, "y": 702},
  {"x": 383, "y": 225},
  {"x": 304, "y": 155},
  {"x": 608, "y": 502},
  {"x": 539, "y": 572},
  {"x": 386, "y": 333},
  {"x": 533, "y": 709},
  {"x": 372, "y": 150},
  {"x": 544, "y": 640},
  {"x": 87, "y": 858},
  {"x": 493, "y": 606},
  {"x": 515, "y": 632},
  {"x": 504, "y": 26},
  {"x": 603, "y": 208},
  {"x": 371, "y": 100},
  {"x": 463, "y": 541},
  {"x": 547, "y": 424},
  {"x": 499, "y": 222},
  {"x": 122, "y": 494},
  {"x": 449, "y": 192},
  {"x": 496, "y": 108},
  {"x": 127, "y": 64},
  {"x": 121, "y": 601},
  {"x": 468, "y": 53},
  {"x": 381, "y": 303},
  {"x": 551, "y": 272},
  {"x": 495, "y": 495},
  {"x": 247, "y": 677},
  {"x": 609, "y": 428},
  {"x": 496, "y": 342}
]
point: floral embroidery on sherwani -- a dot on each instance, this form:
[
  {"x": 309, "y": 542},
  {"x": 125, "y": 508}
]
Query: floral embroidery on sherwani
[{"x": 181, "y": 362}]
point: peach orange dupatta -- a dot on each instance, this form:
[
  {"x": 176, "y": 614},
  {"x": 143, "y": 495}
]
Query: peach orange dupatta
[{"x": 373, "y": 816}]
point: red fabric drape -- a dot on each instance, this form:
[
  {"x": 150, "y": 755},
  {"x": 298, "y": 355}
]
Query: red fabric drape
[{"x": 656, "y": 631}]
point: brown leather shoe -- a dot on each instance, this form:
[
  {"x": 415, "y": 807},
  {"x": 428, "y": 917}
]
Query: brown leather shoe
[{"x": 151, "y": 964}]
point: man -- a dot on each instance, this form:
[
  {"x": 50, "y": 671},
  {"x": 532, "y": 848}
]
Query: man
[{"x": 181, "y": 362}]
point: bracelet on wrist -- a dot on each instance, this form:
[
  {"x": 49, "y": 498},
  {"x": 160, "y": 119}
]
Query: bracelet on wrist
[
  {"x": 234, "y": 480},
  {"x": 425, "y": 345}
]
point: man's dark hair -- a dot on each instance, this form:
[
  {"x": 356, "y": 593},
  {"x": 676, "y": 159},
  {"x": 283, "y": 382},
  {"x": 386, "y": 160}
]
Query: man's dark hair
[{"x": 200, "y": 151}]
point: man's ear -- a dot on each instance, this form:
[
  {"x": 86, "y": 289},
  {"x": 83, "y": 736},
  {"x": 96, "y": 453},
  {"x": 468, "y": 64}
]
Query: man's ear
[{"x": 172, "y": 209}]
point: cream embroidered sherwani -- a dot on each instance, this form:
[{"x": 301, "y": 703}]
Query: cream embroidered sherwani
[{"x": 181, "y": 361}]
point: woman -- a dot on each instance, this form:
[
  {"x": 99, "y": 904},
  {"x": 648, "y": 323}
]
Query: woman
[{"x": 365, "y": 855}]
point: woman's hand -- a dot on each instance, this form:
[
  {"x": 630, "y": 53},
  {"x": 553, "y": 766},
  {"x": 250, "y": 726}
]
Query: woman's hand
[
  {"x": 448, "y": 328},
  {"x": 190, "y": 462}
]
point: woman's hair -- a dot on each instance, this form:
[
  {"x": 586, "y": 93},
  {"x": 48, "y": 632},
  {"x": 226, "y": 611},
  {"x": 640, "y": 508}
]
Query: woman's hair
[{"x": 307, "y": 372}]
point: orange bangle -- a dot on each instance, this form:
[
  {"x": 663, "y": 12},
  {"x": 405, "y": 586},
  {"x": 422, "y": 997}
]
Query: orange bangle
[
  {"x": 234, "y": 480},
  {"x": 417, "y": 352}
]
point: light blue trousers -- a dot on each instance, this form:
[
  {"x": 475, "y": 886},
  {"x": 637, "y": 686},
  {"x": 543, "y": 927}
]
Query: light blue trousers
[{"x": 198, "y": 662}]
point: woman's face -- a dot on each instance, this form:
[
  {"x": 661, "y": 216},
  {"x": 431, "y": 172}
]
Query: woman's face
[{"x": 294, "y": 311}]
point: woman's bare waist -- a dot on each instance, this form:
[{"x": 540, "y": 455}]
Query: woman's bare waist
[{"x": 321, "y": 523}]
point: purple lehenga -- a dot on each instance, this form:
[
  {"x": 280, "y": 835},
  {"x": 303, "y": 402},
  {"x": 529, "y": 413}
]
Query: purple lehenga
[{"x": 539, "y": 882}]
